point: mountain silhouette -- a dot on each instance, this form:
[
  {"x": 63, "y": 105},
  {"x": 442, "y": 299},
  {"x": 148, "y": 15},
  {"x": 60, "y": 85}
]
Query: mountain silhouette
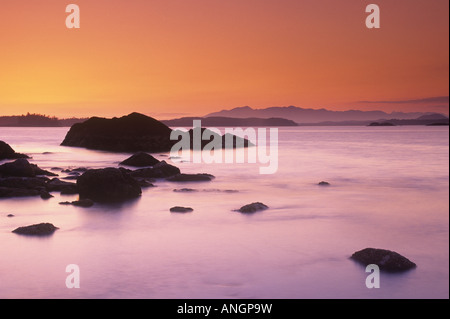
[{"x": 302, "y": 115}]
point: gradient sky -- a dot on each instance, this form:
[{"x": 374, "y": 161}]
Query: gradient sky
[{"x": 169, "y": 58}]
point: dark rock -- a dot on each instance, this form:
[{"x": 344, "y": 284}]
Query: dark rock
[
  {"x": 385, "y": 259},
  {"x": 69, "y": 191},
  {"x": 19, "y": 168},
  {"x": 143, "y": 182},
  {"x": 140, "y": 159},
  {"x": 22, "y": 168},
  {"x": 10, "y": 215},
  {"x": 24, "y": 182},
  {"x": 324, "y": 183},
  {"x": 381, "y": 124},
  {"x": 79, "y": 170},
  {"x": 83, "y": 203},
  {"x": 221, "y": 191},
  {"x": 227, "y": 140},
  {"x": 185, "y": 190},
  {"x": 6, "y": 192},
  {"x": 74, "y": 171},
  {"x": 21, "y": 186},
  {"x": 191, "y": 178},
  {"x": 252, "y": 208},
  {"x": 6, "y": 152},
  {"x": 45, "y": 195},
  {"x": 108, "y": 185},
  {"x": 74, "y": 174},
  {"x": 160, "y": 170},
  {"x": 132, "y": 133},
  {"x": 43, "y": 229},
  {"x": 71, "y": 178},
  {"x": 178, "y": 209},
  {"x": 86, "y": 203},
  {"x": 56, "y": 185}
]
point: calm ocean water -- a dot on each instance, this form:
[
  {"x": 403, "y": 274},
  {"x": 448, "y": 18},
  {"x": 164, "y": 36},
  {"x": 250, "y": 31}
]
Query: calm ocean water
[{"x": 389, "y": 189}]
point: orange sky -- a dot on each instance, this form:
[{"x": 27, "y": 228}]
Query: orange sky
[{"x": 169, "y": 58}]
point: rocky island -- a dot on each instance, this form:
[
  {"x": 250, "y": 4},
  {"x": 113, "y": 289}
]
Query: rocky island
[{"x": 131, "y": 133}]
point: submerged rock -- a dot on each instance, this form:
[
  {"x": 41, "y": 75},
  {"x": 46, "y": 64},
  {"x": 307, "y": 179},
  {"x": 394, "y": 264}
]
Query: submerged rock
[
  {"x": 385, "y": 259},
  {"x": 86, "y": 203},
  {"x": 7, "y": 152},
  {"x": 179, "y": 209},
  {"x": 66, "y": 188},
  {"x": 185, "y": 190},
  {"x": 191, "y": 178},
  {"x": 160, "y": 170},
  {"x": 252, "y": 208},
  {"x": 43, "y": 229},
  {"x": 74, "y": 170},
  {"x": 140, "y": 159},
  {"x": 108, "y": 185}
]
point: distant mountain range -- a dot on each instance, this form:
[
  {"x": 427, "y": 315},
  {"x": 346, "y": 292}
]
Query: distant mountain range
[
  {"x": 229, "y": 121},
  {"x": 309, "y": 116},
  {"x": 270, "y": 117}
]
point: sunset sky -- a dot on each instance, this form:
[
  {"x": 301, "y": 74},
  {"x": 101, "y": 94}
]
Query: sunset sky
[{"x": 170, "y": 58}]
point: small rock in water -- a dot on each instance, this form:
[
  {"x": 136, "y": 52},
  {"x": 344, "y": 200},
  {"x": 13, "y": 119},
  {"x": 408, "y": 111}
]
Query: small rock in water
[
  {"x": 252, "y": 208},
  {"x": 10, "y": 215},
  {"x": 385, "y": 259},
  {"x": 178, "y": 209},
  {"x": 324, "y": 183},
  {"x": 46, "y": 195},
  {"x": 140, "y": 159},
  {"x": 83, "y": 203},
  {"x": 43, "y": 229},
  {"x": 160, "y": 170},
  {"x": 191, "y": 178},
  {"x": 185, "y": 190},
  {"x": 86, "y": 203}
]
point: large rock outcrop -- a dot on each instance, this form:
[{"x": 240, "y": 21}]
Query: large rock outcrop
[
  {"x": 132, "y": 133},
  {"x": 22, "y": 168},
  {"x": 24, "y": 187},
  {"x": 137, "y": 133},
  {"x": 108, "y": 185},
  {"x": 7, "y": 152}
]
